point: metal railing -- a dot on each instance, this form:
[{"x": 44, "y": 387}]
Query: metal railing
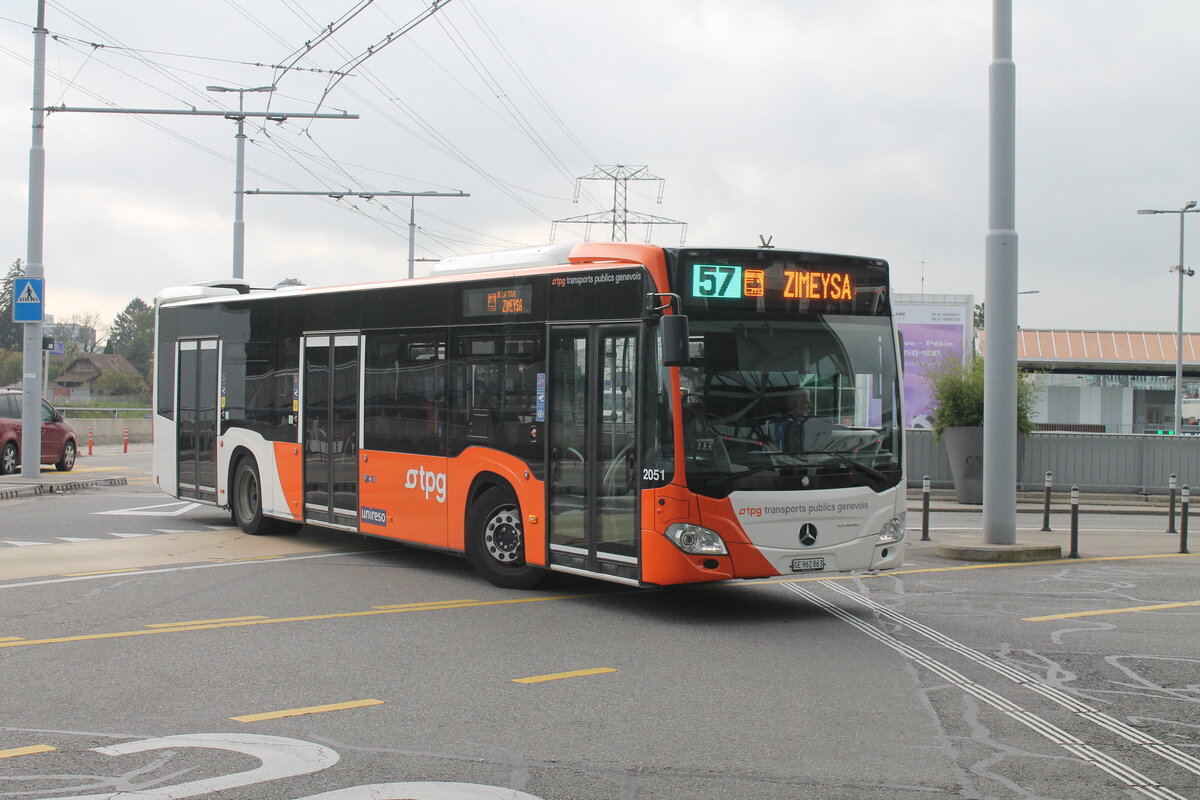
[
  {"x": 71, "y": 411},
  {"x": 1095, "y": 462}
]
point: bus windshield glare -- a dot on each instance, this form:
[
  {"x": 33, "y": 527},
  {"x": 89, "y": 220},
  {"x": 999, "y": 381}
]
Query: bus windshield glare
[{"x": 785, "y": 403}]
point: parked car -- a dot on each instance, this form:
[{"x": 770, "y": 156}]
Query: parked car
[{"x": 59, "y": 442}]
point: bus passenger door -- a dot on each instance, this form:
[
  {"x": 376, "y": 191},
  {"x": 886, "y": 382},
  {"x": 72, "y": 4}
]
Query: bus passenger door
[
  {"x": 593, "y": 470},
  {"x": 329, "y": 392},
  {"x": 197, "y": 367}
]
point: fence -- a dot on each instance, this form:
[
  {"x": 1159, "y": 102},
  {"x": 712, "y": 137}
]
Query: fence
[{"x": 1095, "y": 462}]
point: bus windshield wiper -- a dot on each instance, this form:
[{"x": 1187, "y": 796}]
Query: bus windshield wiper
[
  {"x": 857, "y": 465},
  {"x": 721, "y": 480}
]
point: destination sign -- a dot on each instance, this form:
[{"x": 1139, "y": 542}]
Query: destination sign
[
  {"x": 498, "y": 302},
  {"x": 732, "y": 282}
]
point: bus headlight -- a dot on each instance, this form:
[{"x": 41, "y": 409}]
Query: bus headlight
[
  {"x": 893, "y": 531},
  {"x": 696, "y": 540}
]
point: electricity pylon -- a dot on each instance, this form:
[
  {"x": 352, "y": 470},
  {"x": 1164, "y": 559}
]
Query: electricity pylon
[{"x": 619, "y": 217}]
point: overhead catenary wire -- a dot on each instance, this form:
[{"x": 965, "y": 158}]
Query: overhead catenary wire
[
  {"x": 537, "y": 96},
  {"x": 502, "y": 97},
  {"x": 142, "y": 51},
  {"x": 154, "y": 66},
  {"x": 332, "y": 170},
  {"x": 372, "y": 50}
]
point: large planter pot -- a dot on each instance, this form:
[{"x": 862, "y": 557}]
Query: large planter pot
[{"x": 964, "y": 448}]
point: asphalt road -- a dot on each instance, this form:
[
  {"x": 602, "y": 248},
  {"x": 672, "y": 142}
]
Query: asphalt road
[{"x": 165, "y": 655}]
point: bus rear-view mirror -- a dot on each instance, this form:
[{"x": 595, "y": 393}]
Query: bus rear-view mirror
[{"x": 674, "y": 328}]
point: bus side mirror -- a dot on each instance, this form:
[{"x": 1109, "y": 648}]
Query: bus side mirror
[{"x": 674, "y": 328}]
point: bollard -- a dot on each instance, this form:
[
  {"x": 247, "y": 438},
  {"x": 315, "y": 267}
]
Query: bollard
[
  {"x": 1183, "y": 522},
  {"x": 925, "y": 509},
  {"x": 1046, "y": 505},
  {"x": 89, "y": 440},
  {"x": 1074, "y": 522},
  {"x": 1171, "y": 482},
  {"x": 125, "y": 439}
]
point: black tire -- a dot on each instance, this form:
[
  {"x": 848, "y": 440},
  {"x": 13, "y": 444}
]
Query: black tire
[
  {"x": 496, "y": 541},
  {"x": 245, "y": 503},
  {"x": 66, "y": 462},
  {"x": 9, "y": 460}
]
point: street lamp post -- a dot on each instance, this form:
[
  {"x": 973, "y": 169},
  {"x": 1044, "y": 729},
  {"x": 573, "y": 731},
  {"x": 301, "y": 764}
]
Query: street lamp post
[
  {"x": 239, "y": 224},
  {"x": 1190, "y": 208}
]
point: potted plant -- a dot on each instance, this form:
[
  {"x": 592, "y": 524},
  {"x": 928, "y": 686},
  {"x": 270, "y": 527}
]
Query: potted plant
[{"x": 957, "y": 417}]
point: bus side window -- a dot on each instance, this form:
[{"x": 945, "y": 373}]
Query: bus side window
[{"x": 404, "y": 390}]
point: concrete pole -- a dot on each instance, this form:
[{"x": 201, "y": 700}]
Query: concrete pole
[
  {"x": 31, "y": 379},
  {"x": 1179, "y": 338},
  {"x": 1000, "y": 291},
  {"x": 239, "y": 222},
  {"x": 412, "y": 235}
]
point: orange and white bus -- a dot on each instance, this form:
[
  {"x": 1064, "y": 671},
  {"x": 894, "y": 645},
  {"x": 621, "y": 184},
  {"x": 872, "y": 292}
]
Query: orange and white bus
[{"x": 638, "y": 414}]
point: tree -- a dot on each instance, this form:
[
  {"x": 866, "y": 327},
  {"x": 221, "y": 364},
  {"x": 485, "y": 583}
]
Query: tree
[
  {"x": 12, "y": 334},
  {"x": 82, "y": 337},
  {"x": 979, "y": 316},
  {"x": 119, "y": 384},
  {"x": 132, "y": 334}
]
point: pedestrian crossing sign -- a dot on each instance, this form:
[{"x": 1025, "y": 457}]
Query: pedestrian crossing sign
[{"x": 29, "y": 300}]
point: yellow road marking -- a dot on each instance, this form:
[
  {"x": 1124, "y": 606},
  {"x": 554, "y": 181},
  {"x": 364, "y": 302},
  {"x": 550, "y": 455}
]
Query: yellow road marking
[
  {"x": 1101, "y": 612},
  {"x": 10, "y": 638},
  {"x": 101, "y": 572},
  {"x": 426, "y": 605},
  {"x": 554, "y": 676},
  {"x": 26, "y": 751},
  {"x": 307, "y": 618},
  {"x": 299, "y": 712},
  {"x": 199, "y": 622}
]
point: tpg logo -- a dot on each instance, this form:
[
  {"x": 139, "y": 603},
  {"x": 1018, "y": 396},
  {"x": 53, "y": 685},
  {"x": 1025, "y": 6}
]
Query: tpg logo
[{"x": 423, "y": 479}]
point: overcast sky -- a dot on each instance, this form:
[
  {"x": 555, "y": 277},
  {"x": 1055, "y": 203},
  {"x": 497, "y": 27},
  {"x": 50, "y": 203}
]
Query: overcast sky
[{"x": 855, "y": 126}]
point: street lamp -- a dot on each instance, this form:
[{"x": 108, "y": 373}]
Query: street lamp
[
  {"x": 1190, "y": 208},
  {"x": 239, "y": 225}
]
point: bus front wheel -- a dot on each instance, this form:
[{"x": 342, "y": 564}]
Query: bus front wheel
[
  {"x": 496, "y": 544},
  {"x": 246, "y": 503}
]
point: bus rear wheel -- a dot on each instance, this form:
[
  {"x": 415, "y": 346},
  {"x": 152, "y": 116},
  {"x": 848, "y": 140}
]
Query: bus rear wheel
[
  {"x": 246, "y": 503},
  {"x": 496, "y": 541}
]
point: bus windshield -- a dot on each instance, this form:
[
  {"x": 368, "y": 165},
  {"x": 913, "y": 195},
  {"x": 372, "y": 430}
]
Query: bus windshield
[{"x": 780, "y": 403}]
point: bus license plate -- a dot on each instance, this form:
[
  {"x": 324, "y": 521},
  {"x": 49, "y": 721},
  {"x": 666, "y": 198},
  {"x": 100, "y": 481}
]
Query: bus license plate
[{"x": 808, "y": 564}]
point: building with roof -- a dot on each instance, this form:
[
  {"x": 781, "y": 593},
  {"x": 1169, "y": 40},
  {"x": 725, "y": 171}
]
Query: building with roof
[
  {"x": 1109, "y": 381},
  {"x": 77, "y": 380}
]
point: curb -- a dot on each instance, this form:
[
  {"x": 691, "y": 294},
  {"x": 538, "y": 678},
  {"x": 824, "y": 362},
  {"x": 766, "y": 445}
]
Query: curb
[
  {"x": 39, "y": 489},
  {"x": 1000, "y": 552}
]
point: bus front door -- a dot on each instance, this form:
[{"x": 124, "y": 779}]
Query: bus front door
[
  {"x": 196, "y": 407},
  {"x": 593, "y": 471},
  {"x": 329, "y": 391}
]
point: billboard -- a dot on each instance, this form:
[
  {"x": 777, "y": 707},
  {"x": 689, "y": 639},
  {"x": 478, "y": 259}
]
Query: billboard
[{"x": 932, "y": 327}]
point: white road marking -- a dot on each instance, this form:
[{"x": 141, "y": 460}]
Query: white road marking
[
  {"x": 23, "y": 544},
  {"x": 76, "y": 539},
  {"x": 280, "y": 757},
  {"x": 170, "y": 530},
  {"x": 149, "y": 511},
  {"x": 1079, "y": 708},
  {"x": 1072, "y": 744},
  {"x": 164, "y": 570},
  {"x": 130, "y": 535}
]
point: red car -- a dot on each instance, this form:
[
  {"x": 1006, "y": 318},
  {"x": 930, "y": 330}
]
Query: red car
[{"x": 58, "y": 437}]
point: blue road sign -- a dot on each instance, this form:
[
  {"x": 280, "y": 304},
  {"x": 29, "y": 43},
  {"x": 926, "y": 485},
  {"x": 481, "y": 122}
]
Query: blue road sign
[{"x": 29, "y": 299}]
